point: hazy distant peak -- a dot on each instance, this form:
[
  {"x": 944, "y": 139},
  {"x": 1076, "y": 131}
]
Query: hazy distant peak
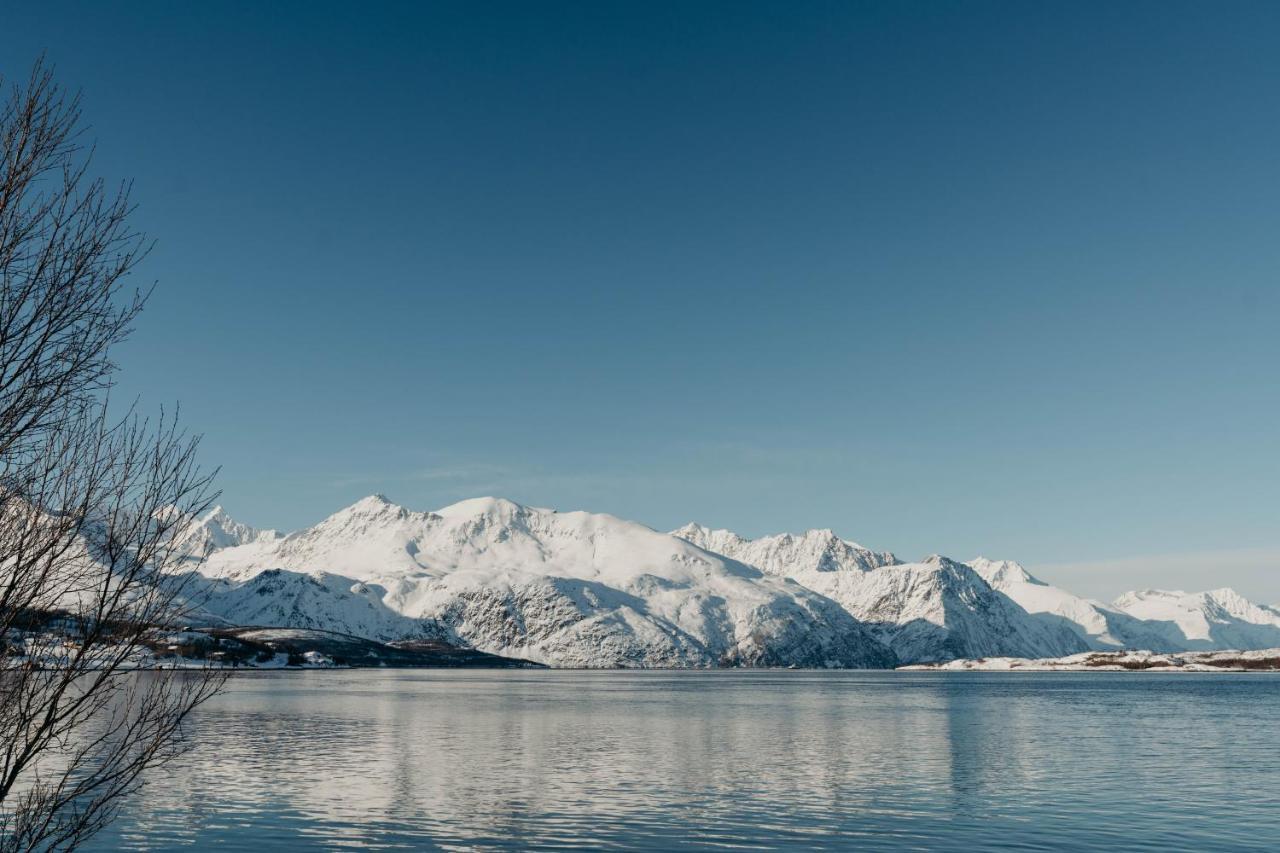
[
  {"x": 1138, "y": 595},
  {"x": 997, "y": 572},
  {"x": 216, "y": 529},
  {"x": 816, "y": 549},
  {"x": 1217, "y": 616},
  {"x": 695, "y": 529}
]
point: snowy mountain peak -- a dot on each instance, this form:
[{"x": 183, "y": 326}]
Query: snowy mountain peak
[
  {"x": 372, "y": 506},
  {"x": 488, "y": 507},
  {"x": 1228, "y": 597},
  {"x": 376, "y": 502},
  {"x": 215, "y": 530},
  {"x": 997, "y": 572},
  {"x": 692, "y": 530}
]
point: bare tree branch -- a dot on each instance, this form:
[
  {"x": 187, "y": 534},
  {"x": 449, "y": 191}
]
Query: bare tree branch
[{"x": 92, "y": 509}]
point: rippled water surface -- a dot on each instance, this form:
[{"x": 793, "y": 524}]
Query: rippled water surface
[{"x": 767, "y": 760}]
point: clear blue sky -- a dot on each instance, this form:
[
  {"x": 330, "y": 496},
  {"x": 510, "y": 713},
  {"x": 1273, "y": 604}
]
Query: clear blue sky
[{"x": 956, "y": 277}]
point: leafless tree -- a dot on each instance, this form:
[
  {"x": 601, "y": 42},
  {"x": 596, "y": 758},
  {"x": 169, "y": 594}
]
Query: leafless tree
[{"x": 92, "y": 506}]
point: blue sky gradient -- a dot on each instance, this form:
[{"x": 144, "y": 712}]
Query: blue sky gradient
[{"x": 970, "y": 278}]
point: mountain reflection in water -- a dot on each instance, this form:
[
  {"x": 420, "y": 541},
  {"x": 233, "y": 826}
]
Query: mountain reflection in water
[{"x": 767, "y": 759}]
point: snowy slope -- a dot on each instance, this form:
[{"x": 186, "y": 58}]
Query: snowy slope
[
  {"x": 935, "y": 610},
  {"x": 280, "y": 598},
  {"x": 1100, "y": 626},
  {"x": 939, "y": 609},
  {"x": 1217, "y": 619},
  {"x": 572, "y": 589}
]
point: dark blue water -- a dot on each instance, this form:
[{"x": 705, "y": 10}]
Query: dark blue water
[{"x": 761, "y": 760}]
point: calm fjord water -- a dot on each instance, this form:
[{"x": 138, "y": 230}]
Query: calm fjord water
[{"x": 767, "y": 760}]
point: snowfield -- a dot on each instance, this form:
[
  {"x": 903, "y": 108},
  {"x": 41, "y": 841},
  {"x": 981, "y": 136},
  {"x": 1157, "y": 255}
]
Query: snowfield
[{"x": 579, "y": 589}]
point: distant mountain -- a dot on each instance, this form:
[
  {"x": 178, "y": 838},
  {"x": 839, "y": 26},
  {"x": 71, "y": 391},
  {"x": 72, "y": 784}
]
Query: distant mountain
[
  {"x": 216, "y": 530},
  {"x": 1100, "y": 626},
  {"x": 1201, "y": 621},
  {"x": 786, "y": 554},
  {"x": 941, "y": 609},
  {"x": 935, "y": 610},
  {"x": 570, "y": 589}
]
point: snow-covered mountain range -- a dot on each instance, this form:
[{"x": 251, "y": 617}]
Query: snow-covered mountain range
[
  {"x": 937, "y": 609},
  {"x": 571, "y": 589},
  {"x": 584, "y": 589},
  {"x": 1157, "y": 620}
]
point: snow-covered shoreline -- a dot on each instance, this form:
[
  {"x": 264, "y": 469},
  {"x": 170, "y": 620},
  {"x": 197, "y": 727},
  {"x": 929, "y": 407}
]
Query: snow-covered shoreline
[{"x": 1256, "y": 660}]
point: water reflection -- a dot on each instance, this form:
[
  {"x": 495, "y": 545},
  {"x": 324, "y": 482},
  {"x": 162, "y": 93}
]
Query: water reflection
[{"x": 445, "y": 759}]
